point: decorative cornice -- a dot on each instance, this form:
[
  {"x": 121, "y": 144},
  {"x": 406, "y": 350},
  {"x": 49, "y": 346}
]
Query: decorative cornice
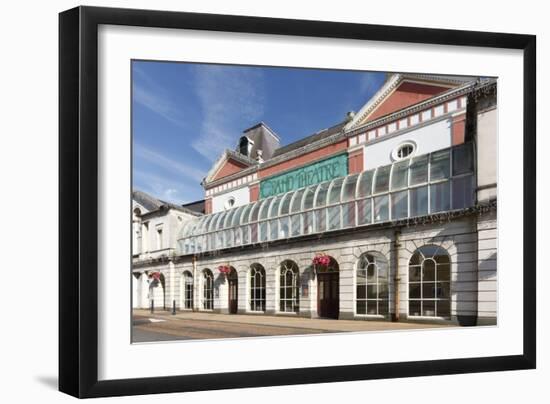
[
  {"x": 395, "y": 81},
  {"x": 402, "y": 113},
  {"x": 303, "y": 150},
  {"x": 388, "y": 87},
  {"x": 244, "y": 172},
  {"x": 227, "y": 154}
]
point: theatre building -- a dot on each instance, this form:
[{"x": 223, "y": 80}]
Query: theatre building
[{"x": 387, "y": 215}]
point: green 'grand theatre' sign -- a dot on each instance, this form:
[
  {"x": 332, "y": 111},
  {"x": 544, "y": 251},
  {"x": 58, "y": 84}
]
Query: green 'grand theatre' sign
[{"x": 315, "y": 173}]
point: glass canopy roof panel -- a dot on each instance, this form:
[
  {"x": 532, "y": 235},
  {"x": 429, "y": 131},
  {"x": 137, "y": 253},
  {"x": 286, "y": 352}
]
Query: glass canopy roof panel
[
  {"x": 213, "y": 222},
  {"x": 440, "y": 165},
  {"x": 463, "y": 159},
  {"x": 382, "y": 179},
  {"x": 229, "y": 218},
  {"x": 421, "y": 185},
  {"x": 207, "y": 222},
  {"x": 308, "y": 198},
  {"x": 348, "y": 189},
  {"x": 199, "y": 226},
  {"x": 364, "y": 186},
  {"x": 254, "y": 211},
  {"x": 285, "y": 203},
  {"x": 321, "y": 196},
  {"x": 237, "y": 216},
  {"x": 264, "y": 208},
  {"x": 296, "y": 205},
  {"x": 187, "y": 228},
  {"x": 274, "y": 207},
  {"x": 399, "y": 175},
  {"x": 219, "y": 224},
  {"x": 246, "y": 213},
  {"x": 335, "y": 190},
  {"x": 418, "y": 171}
]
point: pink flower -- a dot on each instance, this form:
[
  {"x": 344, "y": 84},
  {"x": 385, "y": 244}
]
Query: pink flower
[{"x": 321, "y": 260}]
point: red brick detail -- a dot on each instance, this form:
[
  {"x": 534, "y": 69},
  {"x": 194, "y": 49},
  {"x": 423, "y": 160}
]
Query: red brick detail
[
  {"x": 228, "y": 168},
  {"x": 406, "y": 95},
  {"x": 208, "y": 206},
  {"x": 458, "y": 129},
  {"x": 304, "y": 159},
  {"x": 355, "y": 161},
  {"x": 254, "y": 192}
]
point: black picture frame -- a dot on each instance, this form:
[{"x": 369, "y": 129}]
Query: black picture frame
[{"x": 78, "y": 200}]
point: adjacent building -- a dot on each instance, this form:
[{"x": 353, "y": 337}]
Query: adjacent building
[{"x": 389, "y": 214}]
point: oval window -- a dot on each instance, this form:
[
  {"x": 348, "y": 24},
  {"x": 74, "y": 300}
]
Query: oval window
[
  {"x": 403, "y": 151},
  {"x": 230, "y": 202}
]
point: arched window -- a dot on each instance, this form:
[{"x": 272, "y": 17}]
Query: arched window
[
  {"x": 429, "y": 282},
  {"x": 207, "y": 290},
  {"x": 257, "y": 287},
  {"x": 187, "y": 290},
  {"x": 289, "y": 287},
  {"x": 372, "y": 284}
]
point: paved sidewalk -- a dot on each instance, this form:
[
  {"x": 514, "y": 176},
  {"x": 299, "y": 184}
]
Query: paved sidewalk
[{"x": 311, "y": 325}]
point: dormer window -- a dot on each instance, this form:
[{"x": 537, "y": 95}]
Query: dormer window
[{"x": 245, "y": 145}]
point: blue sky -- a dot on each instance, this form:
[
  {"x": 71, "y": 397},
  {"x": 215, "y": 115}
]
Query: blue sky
[{"x": 185, "y": 115}]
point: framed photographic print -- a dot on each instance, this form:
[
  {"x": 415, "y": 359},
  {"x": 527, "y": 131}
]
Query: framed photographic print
[{"x": 304, "y": 201}]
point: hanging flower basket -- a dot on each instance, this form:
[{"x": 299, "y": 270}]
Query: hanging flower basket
[
  {"x": 320, "y": 261},
  {"x": 224, "y": 269},
  {"x": 154, "y": 279}
]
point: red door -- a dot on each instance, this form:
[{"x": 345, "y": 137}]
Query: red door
[
  {"x": 328, "y": 291},
  {"x": 233, "y": 292}
]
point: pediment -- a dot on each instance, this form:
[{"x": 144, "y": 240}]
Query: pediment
[
  {"x": 228, "y": 167},
  {"x": 228, "y": 163},
  {"x": 401, "y": 91}
]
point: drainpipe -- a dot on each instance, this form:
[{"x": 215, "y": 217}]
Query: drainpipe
[
  {"x": 195, "y": 281},
  {"x": 396, "y": 278}
]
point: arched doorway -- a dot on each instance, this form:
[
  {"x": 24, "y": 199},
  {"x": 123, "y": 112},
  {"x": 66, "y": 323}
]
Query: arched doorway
[
  {"x": 187, "y": 290},
  {"x": 207, "y": 289},
  {"x": 157, "y": 287},
  {"x": 233, "y": 284},
  {"x": 328, "y": 290},
  {"x": 257, "y": 287},
  {"x": 289, "y": 287},
  {"x": 430, "y": 282}
]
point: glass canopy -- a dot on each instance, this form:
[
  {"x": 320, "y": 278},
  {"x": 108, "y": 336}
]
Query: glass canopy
[{"x": 432, "y": 183}]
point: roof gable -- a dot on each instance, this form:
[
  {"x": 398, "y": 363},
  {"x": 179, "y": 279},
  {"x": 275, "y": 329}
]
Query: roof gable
[
  {"x": 405, "y": 94},
  {"x": 228, "y": 167},
  {"x": 145, "y": 200},
  {"x": 230, "y": 162},
  {"x": 401, "y": 91}
]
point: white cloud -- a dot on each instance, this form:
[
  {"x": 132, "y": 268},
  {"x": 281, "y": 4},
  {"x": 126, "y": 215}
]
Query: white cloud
[
  {"x": 152, "y": 96},
  {"x": 164, "y": 188},
  {"x": 232, "y": 99},
  {"x": 370, "y": 83},
  {"x": 173, "y": 166}
]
